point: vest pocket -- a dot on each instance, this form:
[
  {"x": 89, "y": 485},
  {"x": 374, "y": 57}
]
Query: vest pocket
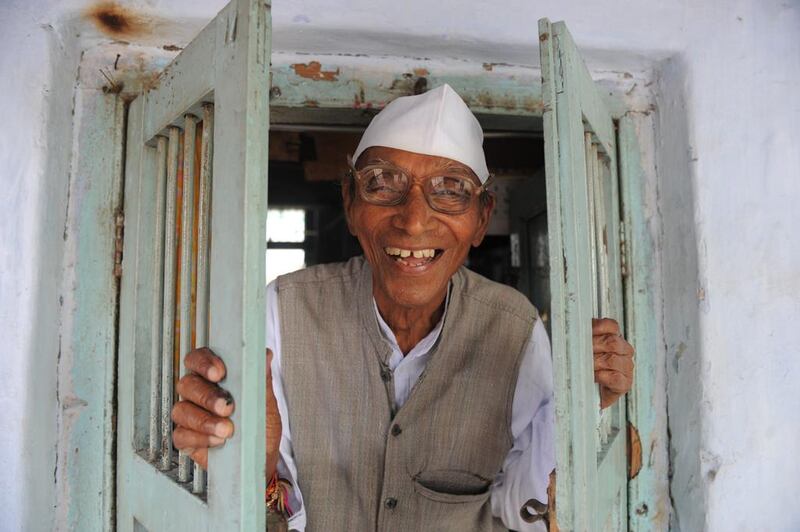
[{"x": 452, "y": 486}]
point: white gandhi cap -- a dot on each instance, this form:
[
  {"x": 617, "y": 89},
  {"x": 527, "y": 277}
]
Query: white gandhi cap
[{"x": 437, "y": 122}]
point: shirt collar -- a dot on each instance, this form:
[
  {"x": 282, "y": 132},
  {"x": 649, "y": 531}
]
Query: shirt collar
[{"x": 426, "y": 344}]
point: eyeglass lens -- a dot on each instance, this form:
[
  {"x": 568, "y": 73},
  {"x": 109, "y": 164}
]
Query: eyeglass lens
[{"x": 389, "y": 186}]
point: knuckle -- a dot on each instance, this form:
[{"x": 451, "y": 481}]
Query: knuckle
[
  {"x": 620, "y": 382},
  {"x": 179, "y": 413},
  {"x": 184, "y": 385}
]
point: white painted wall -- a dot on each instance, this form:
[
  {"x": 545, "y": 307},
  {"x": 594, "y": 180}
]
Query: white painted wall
[{"x": 728, "y": 181}]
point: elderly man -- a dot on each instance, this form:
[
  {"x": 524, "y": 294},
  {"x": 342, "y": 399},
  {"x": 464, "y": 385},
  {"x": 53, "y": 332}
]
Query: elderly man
[{"x": 404, "y": 391}]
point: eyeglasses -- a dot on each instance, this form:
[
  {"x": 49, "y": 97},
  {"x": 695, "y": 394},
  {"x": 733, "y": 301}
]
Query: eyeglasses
[{"x": 382, "y": 183}]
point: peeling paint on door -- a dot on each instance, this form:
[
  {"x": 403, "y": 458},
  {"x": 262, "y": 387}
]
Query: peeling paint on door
[{"x": 313, "y": 70}]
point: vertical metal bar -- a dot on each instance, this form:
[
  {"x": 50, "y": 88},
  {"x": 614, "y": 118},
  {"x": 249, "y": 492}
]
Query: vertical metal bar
[
  {"x": 187, "y": 232},
  {"x": 156, "y": 318},
  {"x": 591, "y": 154},
  {"x": 600, "y": 192},
  {"x": 203, "y": 241},
  {"x": 168, "y": 330},
  {"x": 590, "y": 150},
  {"x": 605, "y": 421}
]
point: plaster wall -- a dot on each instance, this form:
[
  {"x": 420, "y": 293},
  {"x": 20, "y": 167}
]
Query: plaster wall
[
  {"x": 740, "y": 74},
  {"x": 727, "y": 166},
  {"x": 37, "y": 64}
]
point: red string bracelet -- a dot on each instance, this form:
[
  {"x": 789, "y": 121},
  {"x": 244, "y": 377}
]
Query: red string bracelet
[{"x": 277, "y": 496}]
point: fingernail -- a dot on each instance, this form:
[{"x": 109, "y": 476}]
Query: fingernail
[
  {"x": 221, "y": 430},
  {"x": 219, "y": 405},
  {"x": 228, "y": 397},
  {"x": 214, "y": 440},
  {"x": 213, "y": 374}
]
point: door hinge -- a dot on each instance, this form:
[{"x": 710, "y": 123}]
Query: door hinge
[
  {"x": 623, "y": 250},
  {"x": 119, "y": 233}
]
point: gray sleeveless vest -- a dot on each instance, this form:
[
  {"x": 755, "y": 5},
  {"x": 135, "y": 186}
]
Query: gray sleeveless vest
[{"x": 363, "y": 464}]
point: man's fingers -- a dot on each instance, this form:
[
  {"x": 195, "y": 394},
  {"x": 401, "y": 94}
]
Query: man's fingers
[
  {"x": 611, "y": 343},
  {"x": 190, "y": 416},
  {"x": 611, "y": 361},
  {"x": 614, "y": 381},
  {"x": 203, "y": 393},
  {"x": 189, "y": 440},
  {"x": 604, "y": 326},
  {"x": 205, "y": 363},
  {"x": 200, "y": 457}
]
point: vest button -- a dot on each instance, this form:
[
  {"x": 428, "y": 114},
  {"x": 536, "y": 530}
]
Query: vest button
[
  {"x": 386, "y": 374},
  {"x": 390, "y": 503},
  {"x": 396, "y": 430}
]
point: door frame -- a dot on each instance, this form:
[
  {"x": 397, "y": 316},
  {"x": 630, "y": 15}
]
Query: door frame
[{"x": 345, "y": 90}]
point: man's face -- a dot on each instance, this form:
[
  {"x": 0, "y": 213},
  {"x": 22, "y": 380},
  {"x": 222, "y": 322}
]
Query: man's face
[{"x": 413, "y": 226}]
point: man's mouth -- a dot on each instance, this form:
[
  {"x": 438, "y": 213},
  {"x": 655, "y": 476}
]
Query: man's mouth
[{"x": 413, "y": 257}]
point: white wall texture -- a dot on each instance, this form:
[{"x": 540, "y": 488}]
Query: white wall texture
[{"x": 727, "y": 73}]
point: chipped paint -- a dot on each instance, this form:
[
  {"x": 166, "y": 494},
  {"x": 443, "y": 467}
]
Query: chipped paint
[
  {"x": 634, "y": 451},
  {"x": 313, "y": 70}
]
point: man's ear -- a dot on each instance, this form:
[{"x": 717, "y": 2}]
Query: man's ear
[
  {"x": 347, "y": 202},
  {"x": 486, "y": 210}
]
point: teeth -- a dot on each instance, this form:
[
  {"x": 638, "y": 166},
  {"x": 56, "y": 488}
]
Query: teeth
[{"x": 405, "y": 253}]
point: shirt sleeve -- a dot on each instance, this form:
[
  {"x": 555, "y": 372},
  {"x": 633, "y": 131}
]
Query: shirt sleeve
[
  {"x": 286, "y": 465},
  {"x": 527, "y": 467}
]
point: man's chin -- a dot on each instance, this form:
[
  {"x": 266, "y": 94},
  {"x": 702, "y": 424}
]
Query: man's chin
[{"x": 415, "y": 296}]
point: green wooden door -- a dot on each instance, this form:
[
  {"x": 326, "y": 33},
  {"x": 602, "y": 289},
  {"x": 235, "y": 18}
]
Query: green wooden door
[
  {"x": 586, "y": 282},
  {"x": 193, "y": 275}
]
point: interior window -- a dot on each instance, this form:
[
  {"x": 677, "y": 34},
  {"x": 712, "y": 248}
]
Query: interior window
[{"x": 286, "y": 236}]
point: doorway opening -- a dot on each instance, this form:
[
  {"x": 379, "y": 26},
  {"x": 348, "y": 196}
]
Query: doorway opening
[{"x": 306, "y": 224}]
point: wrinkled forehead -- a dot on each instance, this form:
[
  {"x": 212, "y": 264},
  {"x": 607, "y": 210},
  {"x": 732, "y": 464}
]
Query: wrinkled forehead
[{"x": 415, "y": 163}]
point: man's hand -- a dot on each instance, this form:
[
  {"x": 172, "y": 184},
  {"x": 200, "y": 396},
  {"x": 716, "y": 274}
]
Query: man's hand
[
  {"x": 202, "y": 413},
  {"x": 613, "y": 361}
]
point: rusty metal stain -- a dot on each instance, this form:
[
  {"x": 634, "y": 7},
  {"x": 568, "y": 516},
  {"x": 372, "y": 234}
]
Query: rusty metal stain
[
  {"x": 311, "y": 103},
  {"x": 313, "y": 70},
  {"x": 172, "y": 48},
  {"x": 421, "y": 72},
  {"x": 490, "y": 66},
  {"x": 552, "y": 517},
  {"x": 118, "y": 21},
  {"x": 634, "y": 452},
  {"x": 113, "y": 86},
  {"x": 360, "y": 99},
  {"x": 506, "y": 102}
]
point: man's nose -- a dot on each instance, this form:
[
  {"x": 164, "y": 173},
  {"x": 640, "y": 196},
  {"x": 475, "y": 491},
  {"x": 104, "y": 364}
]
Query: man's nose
[{"x": 415, "y": 216}]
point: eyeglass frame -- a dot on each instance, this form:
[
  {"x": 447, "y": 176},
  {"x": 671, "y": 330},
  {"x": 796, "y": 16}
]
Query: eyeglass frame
[{"x": 355, "y": 174}]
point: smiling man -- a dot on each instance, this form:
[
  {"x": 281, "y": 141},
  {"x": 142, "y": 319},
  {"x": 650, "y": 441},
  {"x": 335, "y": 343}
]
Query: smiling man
[{"x": 405, "y": 392}]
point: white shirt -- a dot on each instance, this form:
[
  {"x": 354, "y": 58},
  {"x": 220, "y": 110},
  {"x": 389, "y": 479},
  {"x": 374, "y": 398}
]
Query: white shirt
[{"x": 526, "y": 468}]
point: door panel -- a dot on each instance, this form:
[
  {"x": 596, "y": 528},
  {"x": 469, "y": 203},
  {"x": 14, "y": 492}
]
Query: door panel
[
  {"x": 585, "y": 280},
  {"x": 193, "y": 262}
]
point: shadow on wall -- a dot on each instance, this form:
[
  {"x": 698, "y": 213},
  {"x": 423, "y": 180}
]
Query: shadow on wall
[{"x": 682, "y": 296}]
